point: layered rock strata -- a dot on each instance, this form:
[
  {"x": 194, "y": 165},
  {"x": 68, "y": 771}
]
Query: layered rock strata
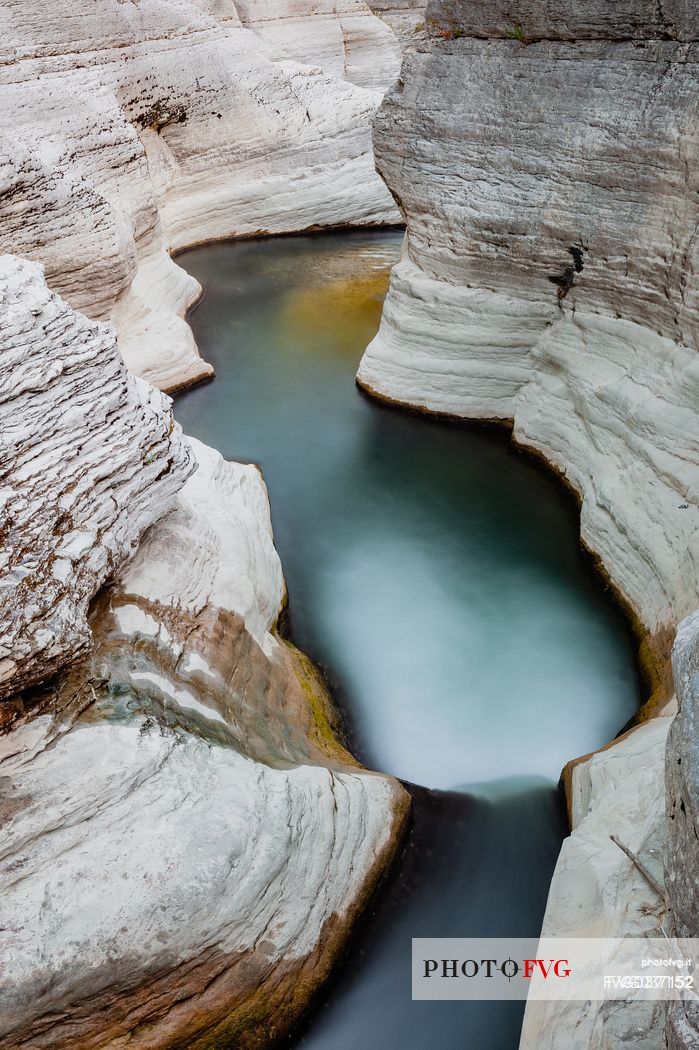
[
  {"x": 136, "y": 130},
  {"x": 545, "y": 169},
  {"x": 90, "y": 456},
  {"x": 475, "y": 324},
  {"x": 185, "y": 843}
]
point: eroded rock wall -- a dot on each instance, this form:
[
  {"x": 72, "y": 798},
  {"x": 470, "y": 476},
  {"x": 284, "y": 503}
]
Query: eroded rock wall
[
  {"x": 134, "y": 130},
  {"x": 90, "y": 457},
  {"x": 185, "y": 844},
  {"x": 405, "y": 17},
  {"x": 546, "y": 170},
  {"x": 550, "y": 267}
]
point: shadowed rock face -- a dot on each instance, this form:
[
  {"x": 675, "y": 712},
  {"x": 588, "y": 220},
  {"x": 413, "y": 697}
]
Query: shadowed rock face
[
  {"x": 90, "y": 458},
  {"x": 569, "y": 20},
  {"x": 140, "y": 129},
  {"x": 405, "y": 17},
  {"x": 682, "y": 787},
  {"x": 546, "y": 170}
]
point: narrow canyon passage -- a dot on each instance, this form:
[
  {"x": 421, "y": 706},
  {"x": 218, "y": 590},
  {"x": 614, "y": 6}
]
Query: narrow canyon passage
[{"x": 436, "y": 576}]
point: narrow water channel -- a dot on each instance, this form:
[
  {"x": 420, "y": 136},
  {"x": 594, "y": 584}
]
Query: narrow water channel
[{"x": 437, "y": 578}]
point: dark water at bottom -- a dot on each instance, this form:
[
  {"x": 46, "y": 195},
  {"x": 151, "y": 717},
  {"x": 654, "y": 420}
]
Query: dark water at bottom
[
  {"x": 473, "y": 866},
  {"x": 437, "y": 578}
]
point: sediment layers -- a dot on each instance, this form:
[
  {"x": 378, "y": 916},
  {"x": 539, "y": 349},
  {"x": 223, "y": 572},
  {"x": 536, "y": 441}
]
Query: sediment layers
[
  {"x": 90, "y": 457},
  {"x": 140, "y": 129},
  {"x": 546, "y": 171}
]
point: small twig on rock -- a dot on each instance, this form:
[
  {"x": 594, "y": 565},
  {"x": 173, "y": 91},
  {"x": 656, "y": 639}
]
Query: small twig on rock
[{"x": 635, "y": 859}]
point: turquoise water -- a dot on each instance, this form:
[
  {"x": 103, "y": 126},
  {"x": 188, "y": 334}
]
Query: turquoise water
[{"x": 437, "y": 578}]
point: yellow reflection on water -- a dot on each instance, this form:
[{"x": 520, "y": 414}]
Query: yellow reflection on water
[{"x": 340, "y": 312}]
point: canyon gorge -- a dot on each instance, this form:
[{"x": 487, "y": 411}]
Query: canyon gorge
[
  {"x": 129, "y": 133},
  {"x": 546, "y": 171},
  {"x": 187, "y": 843}
]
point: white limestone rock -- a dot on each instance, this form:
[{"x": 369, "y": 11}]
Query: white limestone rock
[
  {"x": 185, "y": 845},
  {"x": 452, "y": 349},
  {"x": 610, "y": 403},
  {"x": 233, "y": 565},
  {"x": 340, "y": 37},
  {"x": 90, "y": 457},
  {"x": 546, "y": 171},
  {"x": 613, "y": 406},
  {"x": 597, "y": 892},
  {"x": 141, "y": 129},
  {"x": 549, "y": 274}
]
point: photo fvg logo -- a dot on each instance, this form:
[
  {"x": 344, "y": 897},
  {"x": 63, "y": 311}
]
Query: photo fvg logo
[
  {"x": 486, "y": 968},
  {"x": 553, "y": 968},
  {"x": 489, "y": 968}
]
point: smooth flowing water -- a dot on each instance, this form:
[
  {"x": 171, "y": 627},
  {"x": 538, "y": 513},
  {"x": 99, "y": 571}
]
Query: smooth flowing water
[{"x": 437, "y": 578}]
